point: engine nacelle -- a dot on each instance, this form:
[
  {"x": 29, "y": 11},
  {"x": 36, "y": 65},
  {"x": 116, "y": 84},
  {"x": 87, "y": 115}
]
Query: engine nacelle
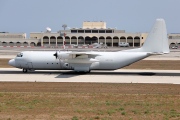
[{"x": 63, "y": 55}]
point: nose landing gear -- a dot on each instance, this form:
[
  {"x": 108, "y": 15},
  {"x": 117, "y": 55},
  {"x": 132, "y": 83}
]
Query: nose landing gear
[{"x": 25, "y": 70}]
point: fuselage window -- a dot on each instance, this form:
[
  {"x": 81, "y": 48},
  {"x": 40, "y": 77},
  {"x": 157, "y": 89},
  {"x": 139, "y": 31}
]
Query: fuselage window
[{"x": 19, "y": 55}]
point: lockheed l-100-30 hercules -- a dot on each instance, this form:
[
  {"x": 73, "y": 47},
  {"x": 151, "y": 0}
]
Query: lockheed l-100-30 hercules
[{"x": 156, "y": 43}]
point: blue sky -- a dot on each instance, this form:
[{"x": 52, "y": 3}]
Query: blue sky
[{"x": 130, "y": 15}]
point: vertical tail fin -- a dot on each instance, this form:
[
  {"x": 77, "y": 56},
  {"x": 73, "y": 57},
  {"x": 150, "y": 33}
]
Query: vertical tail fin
[{"x": 156, "y": 40}]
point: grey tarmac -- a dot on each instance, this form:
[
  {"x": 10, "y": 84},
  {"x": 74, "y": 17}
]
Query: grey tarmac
[{"x": 116, "y": 76}]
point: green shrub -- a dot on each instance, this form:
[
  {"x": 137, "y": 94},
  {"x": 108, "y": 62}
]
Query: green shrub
[
  {"x": 75, "y": 118},
  {"x": 123, "y": 113}
]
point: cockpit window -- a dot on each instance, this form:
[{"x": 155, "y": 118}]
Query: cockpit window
[{"x": 19, "y": 55}]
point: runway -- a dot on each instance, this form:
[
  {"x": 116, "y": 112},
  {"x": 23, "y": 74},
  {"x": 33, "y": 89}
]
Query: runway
[{"x": 117, "y": 76}]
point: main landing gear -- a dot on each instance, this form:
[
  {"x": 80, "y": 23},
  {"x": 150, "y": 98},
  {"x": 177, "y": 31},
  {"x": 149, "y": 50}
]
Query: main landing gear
[{"x": 25, "y": 70}]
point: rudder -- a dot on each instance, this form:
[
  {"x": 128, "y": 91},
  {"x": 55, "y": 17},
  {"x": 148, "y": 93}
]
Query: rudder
[{"x": 156, "y": 40}]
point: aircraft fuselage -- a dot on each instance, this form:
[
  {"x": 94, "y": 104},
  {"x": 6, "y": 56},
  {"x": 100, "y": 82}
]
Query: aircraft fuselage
[{"x": 103, "y": 61}]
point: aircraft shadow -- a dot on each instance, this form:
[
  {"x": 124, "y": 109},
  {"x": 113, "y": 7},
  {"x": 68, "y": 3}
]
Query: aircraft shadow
[
  {"x": 29, "y": 72},
  {"x": 68, "y": 74},
  {"x": 72, "y": 74}
]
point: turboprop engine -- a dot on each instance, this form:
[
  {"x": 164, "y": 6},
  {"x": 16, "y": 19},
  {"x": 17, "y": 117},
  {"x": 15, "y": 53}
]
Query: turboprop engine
[{"x": 61, "y": 55}]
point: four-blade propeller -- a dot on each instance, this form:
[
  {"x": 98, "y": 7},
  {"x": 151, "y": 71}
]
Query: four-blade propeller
[{"x": 56, "y": 55}]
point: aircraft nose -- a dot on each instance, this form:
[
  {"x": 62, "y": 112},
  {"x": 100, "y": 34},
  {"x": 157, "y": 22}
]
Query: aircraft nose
[{"x": 12, "y": 62}]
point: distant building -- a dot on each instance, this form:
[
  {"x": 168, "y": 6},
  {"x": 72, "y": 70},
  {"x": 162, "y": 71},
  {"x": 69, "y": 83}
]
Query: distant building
[
  {"x": 174, "y": 39},
  {"x": 94, "y": 25},
  {"x": 16, "y": 39},
  {"x": 91, "y": 32}
]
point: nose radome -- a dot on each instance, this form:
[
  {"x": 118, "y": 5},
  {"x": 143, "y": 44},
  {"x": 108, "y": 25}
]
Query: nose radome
[{"x": 12, "y": 62}]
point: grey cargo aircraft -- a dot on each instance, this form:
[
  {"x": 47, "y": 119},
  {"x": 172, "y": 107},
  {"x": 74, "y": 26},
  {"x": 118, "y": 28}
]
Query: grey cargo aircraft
[{"x": 155, "y": 44}]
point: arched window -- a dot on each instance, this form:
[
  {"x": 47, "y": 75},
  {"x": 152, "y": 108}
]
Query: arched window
[
  {"x": 137, "y": 41},
  {"x": 11, "y": 44},
  {"x": 45, "y": 40},
  {"x": 130, "y": 40},
  {"x": 171, "y": 45},
  {"x": 74, "y": 40},
  {"x": 115, "y": 41},
  {"x": 32, "y": 44},
  {"x": 81, "y": 40},
  {"x": 67, "y": 40},
  {"x": 122, "y": 39},
  {"x": 18, "y": 44},
  {"x": 109, "y": 41},
  {"x": 25, "y": 43},
  {"x": 102, "y": 40},
  {"x": 59, "y": 40}
]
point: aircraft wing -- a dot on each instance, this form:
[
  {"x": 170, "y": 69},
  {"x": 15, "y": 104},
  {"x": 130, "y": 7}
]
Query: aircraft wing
[
  {"x": 84, "y": 53},
  {"x": 82, "y": 61},
  {"x": 82, "y": 57}
]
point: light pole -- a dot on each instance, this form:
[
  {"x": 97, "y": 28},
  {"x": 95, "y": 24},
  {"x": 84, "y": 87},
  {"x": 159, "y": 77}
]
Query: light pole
[
  {"x": 64, "y": 35},
  {"x": 64, "y": 26}
]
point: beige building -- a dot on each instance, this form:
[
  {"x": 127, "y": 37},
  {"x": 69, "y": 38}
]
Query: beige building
[
  {"x": 174, "y": 39},
  {"x": 16, "y": 39},
  {"x": 94, "y": 25},
  {"x": 91, "y": 32}
]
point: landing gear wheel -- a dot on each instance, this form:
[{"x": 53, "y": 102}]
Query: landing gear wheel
[{"x": 25, "y": 70}]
